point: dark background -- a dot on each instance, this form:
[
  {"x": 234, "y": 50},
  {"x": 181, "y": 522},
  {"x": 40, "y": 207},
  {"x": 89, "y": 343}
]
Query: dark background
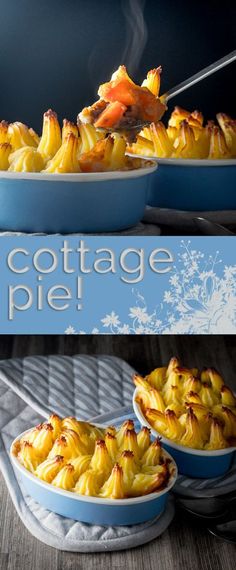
[
  {"x": 142, "y": 352},
  {"x": 54, "y": 53}
]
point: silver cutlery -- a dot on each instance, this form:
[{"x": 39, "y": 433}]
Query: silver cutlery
[
  {"x": 205, "y": 72},
  {"x": 211, "y": 228}
]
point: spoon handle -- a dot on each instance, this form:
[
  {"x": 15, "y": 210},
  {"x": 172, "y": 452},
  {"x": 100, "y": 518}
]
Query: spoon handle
[
  {"x": 200, "y": 75},
  {"x": 211, "y": 228}
]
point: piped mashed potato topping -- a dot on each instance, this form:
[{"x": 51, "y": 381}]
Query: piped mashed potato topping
[
  {"x": 126, "y": 119},
  {"x": 186, "y": 136},
  {"x": 71, "y": 149},
  {"x": 191, "y": 407},
  {"x": 88, "y": 460}
]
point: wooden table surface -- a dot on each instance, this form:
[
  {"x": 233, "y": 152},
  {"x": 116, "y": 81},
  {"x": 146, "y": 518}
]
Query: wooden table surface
[{"x": 182, "y": 546}]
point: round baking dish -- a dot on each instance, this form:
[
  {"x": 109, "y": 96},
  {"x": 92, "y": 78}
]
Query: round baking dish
[
  {"x": 193, "y": 185},
  {"x": 69, "y": 203},
  {"x": 192, "y": 462}
]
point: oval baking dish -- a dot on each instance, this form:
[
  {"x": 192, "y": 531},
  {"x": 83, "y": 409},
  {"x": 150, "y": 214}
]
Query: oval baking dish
[{"x": 93, "y": 510}]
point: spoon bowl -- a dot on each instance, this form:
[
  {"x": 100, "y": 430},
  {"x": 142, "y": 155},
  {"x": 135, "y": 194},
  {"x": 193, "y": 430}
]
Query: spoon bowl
[
  {"x": 225, "y": 531},
  {"x": 212, "y": 507},
  {"x": 211, "y": 228}
]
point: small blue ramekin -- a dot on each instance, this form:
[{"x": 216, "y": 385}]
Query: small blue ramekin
[
  {"x": 193, "y": 185},
  {"x": 195, "y": 463},
  {"x": 69, "y": 203},
  {"x": 93, "y": 510}
]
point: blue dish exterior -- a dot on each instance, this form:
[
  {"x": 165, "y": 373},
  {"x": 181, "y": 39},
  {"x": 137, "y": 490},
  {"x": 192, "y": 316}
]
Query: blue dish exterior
[
  {"x": 200, "y": 466},
  {"x": 68, "y": 207},
  {"x": 193, "y": 187},
  {"x": 92, "y": 512}
]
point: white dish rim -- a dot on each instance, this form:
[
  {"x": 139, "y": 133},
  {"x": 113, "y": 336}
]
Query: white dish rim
[
  {"x": 187, "y": 161},
  {"x": 81, "y": 176},
  {"x": 190, "y": 450},
  {"x": 88, "y": 499}
]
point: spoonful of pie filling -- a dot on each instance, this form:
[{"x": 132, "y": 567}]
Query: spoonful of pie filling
[{"x": 123, "y": 105}]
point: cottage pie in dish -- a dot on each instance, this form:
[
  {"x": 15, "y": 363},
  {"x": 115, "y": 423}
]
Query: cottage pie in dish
[
  {"x": 88, "y": 460},
  {"x": 192, "y": 408}
]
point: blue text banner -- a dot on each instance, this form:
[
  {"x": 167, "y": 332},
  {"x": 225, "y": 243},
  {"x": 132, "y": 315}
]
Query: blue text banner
[{"x": 117, "y": 285}]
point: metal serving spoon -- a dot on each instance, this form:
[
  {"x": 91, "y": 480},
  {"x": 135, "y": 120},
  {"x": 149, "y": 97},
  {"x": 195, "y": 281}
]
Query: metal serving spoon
[
  {"x": 217, "y": 515},
  {"x": 208, "y": 507},
  {"x": 225, "y": 531},
  {"x": 211, "y": 228},
  {"x": 222, "y": 62},
  {"x": 209, "y": 70}
]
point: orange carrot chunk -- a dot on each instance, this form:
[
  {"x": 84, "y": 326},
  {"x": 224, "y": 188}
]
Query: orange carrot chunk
[
  {"x": 118, "y": 90},
  {"x": 111, "y": 116}
]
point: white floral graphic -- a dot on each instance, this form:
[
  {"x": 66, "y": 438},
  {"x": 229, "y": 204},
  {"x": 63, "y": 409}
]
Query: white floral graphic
[
  {"x": 111, "y": 320},
  {"x": 200, "y": 299},
  {"x": 70, "y": 330}
]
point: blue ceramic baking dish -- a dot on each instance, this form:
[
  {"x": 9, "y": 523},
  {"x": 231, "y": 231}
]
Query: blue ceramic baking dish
[
  {"x": 69, "y": 203},
  {"x": 194, "y": 185},
  {"x": 192, "y": 462},
  {"x": 93, "y": 510}
]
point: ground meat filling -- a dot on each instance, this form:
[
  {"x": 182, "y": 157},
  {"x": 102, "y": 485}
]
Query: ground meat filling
[{"x": 92, "y": 113}]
